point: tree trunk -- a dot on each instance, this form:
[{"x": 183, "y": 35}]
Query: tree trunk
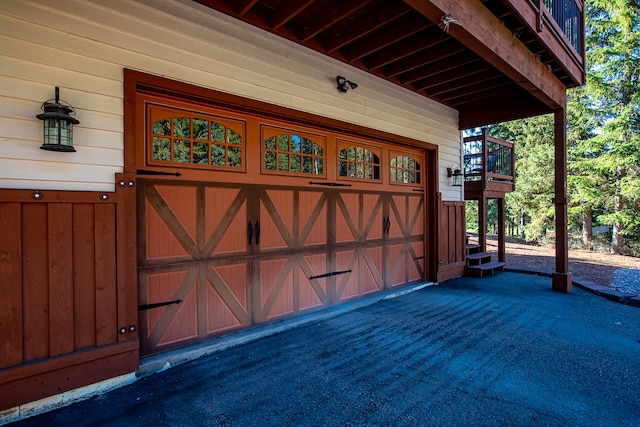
[
  {"x": 587, "y": 228},
  {"x": 617, "y": 240}
]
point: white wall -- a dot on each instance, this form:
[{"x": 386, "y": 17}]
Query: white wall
[{"x": 82, "y": 46}]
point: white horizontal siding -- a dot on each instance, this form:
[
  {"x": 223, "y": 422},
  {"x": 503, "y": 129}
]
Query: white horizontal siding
[{"x": 82, "y": 46}]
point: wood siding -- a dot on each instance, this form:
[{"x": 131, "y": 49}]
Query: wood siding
[
  {"x": 451, "y": 240},
  {"x": 58, "y": 294},
  {"x": 83, "y": 46}
]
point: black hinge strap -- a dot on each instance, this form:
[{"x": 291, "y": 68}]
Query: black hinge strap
[
  {"x": 330, "y": 184},
  {"x": 418, "y": 257},
  {"x": 158, "y": 304},
  {"x": 144, "y": 172},
  {"x": 333, "y": 273}
]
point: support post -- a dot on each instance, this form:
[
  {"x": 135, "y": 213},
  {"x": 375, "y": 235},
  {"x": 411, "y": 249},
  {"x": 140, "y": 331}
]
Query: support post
[
  {"x": 561, "y": 277},
  {"x": 482, "y": 222},
  {"x": 501, "y": 231}
]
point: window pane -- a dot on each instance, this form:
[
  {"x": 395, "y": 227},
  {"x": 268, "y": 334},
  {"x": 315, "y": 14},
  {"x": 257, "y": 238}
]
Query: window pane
[
  {"x": 295, "y": 143},
  {"x": 270, "y": 160},
  {"x": 393, "y": 175},
  {"x": 367, "y": 172},
  {"x": 283, "y": 162},
  {"x": 352, "y": 153},
  {"x": 181, "y": 151},
  {"x": 308, "y": 164},
  {"x": 343, "y": 169},
  {"x": 417, "y": 177},
  {"x": 218, "y": 156},
  {"x": 235, "y": 157},
  {"x": 307, "y": 146},
  {"x": 376, "y": 172},
  {"x": 283, "y": 142},
  {"x": 342, "y": 154},
  {"x": 234, "y": 137},
  {"x": 295, "y": 163},
  {"x": 317, "y": 150},
  {"x": 352, "y": 170},
  {"x": 217, "y": 132},
  {"x": 200, "y": 153},
  {"x": 270, "y": 143},
  {"x": 182, "y": 127},
  {"x": 318, "y": 167},
  {"x": 161, "y": 127},
  {"x": 360, "y": 154},
  {"x": 161, "y": 149},
  {"x": 360, "y": 170},
  {"x": 201, "y": 129}
]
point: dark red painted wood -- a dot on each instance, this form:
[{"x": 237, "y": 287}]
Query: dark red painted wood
[
  {"x": 35, "y": 281},
  {"x": 10, "y": 290}
]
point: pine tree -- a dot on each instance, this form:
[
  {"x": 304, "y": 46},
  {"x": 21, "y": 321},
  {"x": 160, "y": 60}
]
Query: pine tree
[{"x": 613, "y": 50}]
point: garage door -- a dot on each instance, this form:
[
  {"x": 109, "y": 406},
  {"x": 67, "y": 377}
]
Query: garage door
[{"x": 243, "y": 220}]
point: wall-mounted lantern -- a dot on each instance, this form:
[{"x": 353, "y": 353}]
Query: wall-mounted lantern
[
  {"x": 455, "y": 174},
  {"x": 58, "y": 124}
]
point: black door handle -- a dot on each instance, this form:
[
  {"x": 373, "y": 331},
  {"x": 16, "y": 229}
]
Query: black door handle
[
  {"x": 250, "y": 232},
  {"x": 257, "y": 233}
]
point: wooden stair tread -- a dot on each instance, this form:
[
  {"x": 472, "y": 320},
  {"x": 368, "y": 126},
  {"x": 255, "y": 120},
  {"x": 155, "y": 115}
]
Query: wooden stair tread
[
  {"x": 478, "y": 255},
  {"x": 487, "y": 266}
]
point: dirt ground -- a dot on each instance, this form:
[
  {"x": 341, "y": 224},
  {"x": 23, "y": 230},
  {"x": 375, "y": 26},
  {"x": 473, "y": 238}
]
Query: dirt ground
[{"x": 591, "y": 265}]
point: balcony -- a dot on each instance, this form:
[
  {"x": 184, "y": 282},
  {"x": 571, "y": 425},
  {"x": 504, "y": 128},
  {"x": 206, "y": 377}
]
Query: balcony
[{"x": 489, "y": 167}]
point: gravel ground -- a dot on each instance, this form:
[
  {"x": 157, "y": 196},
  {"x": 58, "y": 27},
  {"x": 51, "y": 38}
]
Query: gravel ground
[{"x": 616, "y": 271}]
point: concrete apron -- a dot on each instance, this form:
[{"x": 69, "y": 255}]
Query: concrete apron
[{"x": 162, "y": 361}]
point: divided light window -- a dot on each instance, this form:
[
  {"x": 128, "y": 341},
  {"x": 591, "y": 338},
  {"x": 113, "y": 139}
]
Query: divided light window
[
  {"x": 405, "y": 169},
  {"x": 358, "y": 161},
  {"x": 189, "y": 139},
  {"x": 293, "y": 153}
]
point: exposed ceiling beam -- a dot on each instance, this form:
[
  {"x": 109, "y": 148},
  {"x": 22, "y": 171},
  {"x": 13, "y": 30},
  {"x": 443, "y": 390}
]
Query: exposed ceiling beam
[
  {"x": 421, "y": 76},
  {"x": 421, "y": 59},
  {"x": 401, "y": 30},
  {"x": 405, "y": 48},
  {"x": 288, "y": 11},
  {"x": 365, "y": 26},
  {"x": 478, "y": 29},
  {"x": 330, "y": 16}
]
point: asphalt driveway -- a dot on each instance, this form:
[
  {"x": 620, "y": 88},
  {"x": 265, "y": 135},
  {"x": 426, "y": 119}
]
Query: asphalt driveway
[{"x": 506, "y": 350}]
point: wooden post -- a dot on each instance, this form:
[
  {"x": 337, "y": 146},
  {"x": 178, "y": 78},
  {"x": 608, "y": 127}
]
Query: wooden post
[
  {"x": 501, "y": 231},
  {"x": 561, "y": 278},
  {"x": 482, "y": 222}
]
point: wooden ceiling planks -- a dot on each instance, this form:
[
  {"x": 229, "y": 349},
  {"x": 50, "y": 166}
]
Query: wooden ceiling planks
[{"x": 405, "y": 43}]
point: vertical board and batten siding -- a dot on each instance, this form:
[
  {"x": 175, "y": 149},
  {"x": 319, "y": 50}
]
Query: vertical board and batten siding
[
  {"x": 83, "y": 46},
  {"x": 59, "y": 294}
]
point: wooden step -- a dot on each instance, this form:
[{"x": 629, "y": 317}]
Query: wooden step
[
  {"x": 478, "y": 258},
  {"x": 472, "y": 249},
  {"x": 486, "y": 269}
]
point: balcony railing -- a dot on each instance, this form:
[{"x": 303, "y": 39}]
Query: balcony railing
[
  {"x": 488, "y": 159},
  {"x": 568, "y": 15}
]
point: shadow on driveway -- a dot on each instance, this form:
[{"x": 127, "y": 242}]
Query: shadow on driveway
[{"x": 506, "y": 350}]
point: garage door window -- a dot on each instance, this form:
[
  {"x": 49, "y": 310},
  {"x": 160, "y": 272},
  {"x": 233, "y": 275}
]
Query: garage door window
[
  {"x": 292, "y": 153},
  {"x": 358, "y": 162},
  {"x": 405, "y": 169},
  {"x": 194, "y": 140}
]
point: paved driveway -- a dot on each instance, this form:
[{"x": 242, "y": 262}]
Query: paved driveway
[{"x": 499, "y": 351}]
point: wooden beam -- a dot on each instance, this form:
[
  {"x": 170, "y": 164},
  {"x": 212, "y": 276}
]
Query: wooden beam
[
  {"x": 470, "y": 78},
  {"x": 406, "y": 48},
  {"x": 288, "y": 11},
  {"x": 561, "y": 277},
  {"x": 330, "y": 16},
  {"x": 498, "y": 110},
  {"x": 558, "y": 47},
  {"x": 458, "y": 59},
  {"x": 478, "y": 29},
  {"x": 378, "y": 19},
  {"x": 402, "y": 30}
]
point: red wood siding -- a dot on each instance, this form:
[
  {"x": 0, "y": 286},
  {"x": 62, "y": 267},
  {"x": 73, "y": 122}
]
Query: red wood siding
[
  {"x": 58, "y": 293},
  {"x": 451, "y": 240}
]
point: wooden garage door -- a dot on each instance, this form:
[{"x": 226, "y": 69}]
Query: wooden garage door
[{"x": 233, "y": 235}]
